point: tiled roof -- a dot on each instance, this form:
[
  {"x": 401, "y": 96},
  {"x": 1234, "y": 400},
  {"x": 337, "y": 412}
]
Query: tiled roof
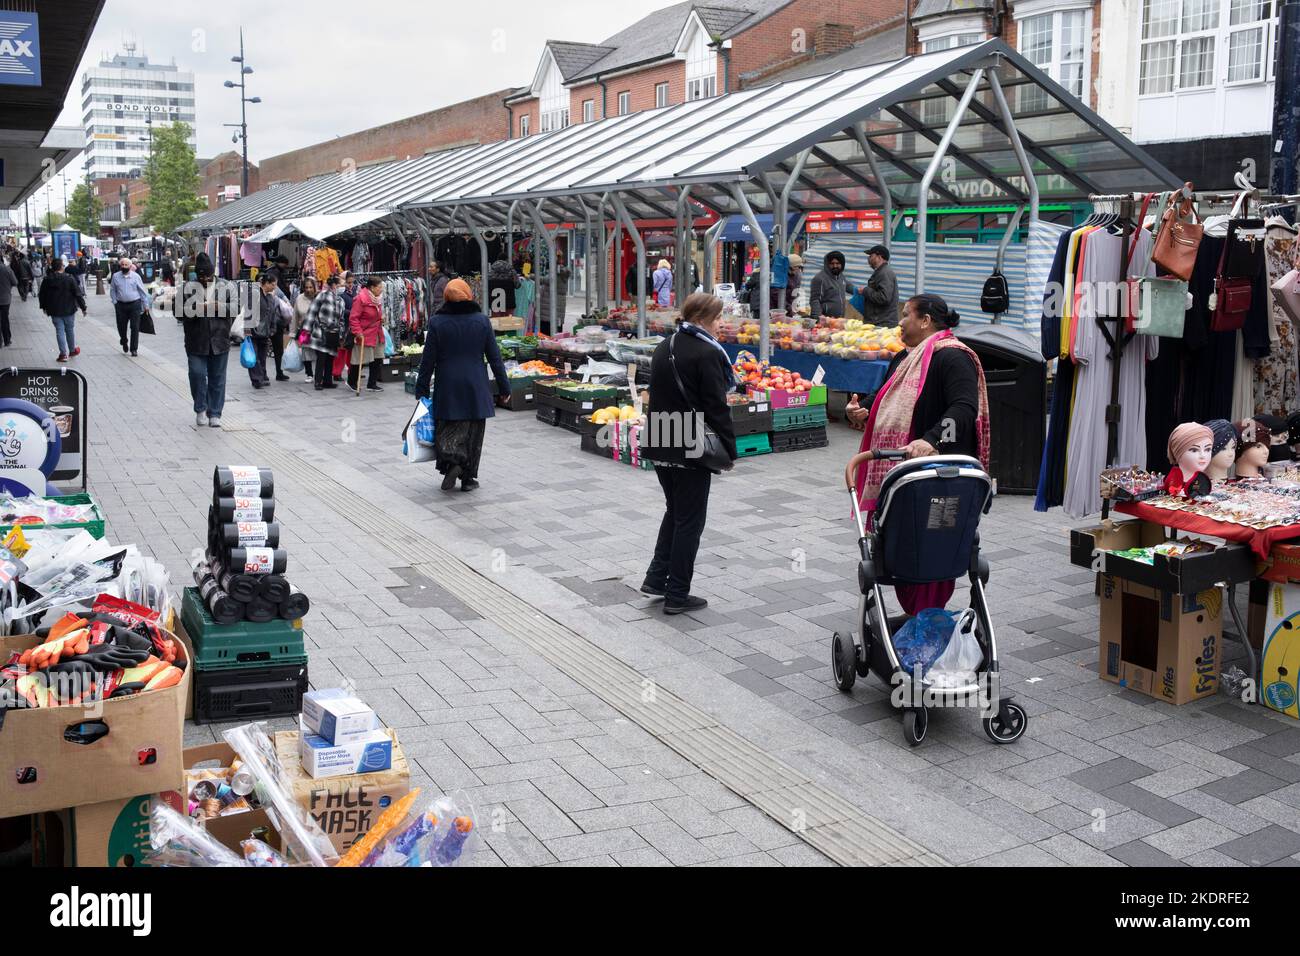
[
  {"x": 934, "y": 8},
  {"x": 573, "y": 58}
]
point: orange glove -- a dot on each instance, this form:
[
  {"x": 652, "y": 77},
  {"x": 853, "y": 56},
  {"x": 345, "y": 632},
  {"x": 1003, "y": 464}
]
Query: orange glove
[
  {"x": 49, "y": 653},
  {"x": 66, "y": 624}
]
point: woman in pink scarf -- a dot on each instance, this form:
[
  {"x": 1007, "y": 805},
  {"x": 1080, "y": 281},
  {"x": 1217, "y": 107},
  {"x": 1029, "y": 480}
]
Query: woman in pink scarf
[{"x": 933, "y": 402}]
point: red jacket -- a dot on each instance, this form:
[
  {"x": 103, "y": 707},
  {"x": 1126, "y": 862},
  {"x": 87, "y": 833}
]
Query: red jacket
[{"x": 366, "y": 321}]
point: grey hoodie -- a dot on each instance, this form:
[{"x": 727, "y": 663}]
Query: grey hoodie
[{"x": 828, "y": 293}]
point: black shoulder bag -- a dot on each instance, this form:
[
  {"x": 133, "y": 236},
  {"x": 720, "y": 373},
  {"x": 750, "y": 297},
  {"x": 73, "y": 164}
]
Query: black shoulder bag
[{"x": 714, "y": 456}]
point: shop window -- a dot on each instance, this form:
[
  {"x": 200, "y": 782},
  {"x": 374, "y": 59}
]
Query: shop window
[
  {"x": 1057, "y": 43},
  {"x": 1198, "y": 44}
]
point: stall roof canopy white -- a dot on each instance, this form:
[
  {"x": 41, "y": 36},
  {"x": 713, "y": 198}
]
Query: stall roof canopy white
[
  {"x": 752, "y": 137},
  {"x": 318, "y": 227}
]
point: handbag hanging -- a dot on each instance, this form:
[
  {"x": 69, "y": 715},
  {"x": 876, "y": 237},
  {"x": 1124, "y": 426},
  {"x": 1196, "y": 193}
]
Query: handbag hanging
[
  {"x": 1232, "y": 296},
  {"x": 1286, "y": 293},
  {"x": 714, "y": 457},
  {"x": 1154, "y": 305},
  {"x": 1179, "y": 236}
]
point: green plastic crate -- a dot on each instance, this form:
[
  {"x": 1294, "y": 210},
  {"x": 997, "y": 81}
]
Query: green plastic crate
[
  {"x": 95, "y": 526},
  {"x": 231, "y": 646},
  {"x": 589, "y": 394},
  {"x": 788, "y": 419},
  {"x": 749, "y": 445}
]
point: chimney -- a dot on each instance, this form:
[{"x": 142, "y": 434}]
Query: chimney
[{"x": 832, "y": 38}]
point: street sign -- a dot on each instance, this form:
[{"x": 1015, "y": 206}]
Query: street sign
[
  {"x": 60, "y": 392},
  {"x": 20, "y": 49}
]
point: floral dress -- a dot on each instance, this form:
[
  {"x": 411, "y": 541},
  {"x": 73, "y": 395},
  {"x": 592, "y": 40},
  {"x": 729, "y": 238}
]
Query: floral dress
[{"x": 1277, "y": 375}]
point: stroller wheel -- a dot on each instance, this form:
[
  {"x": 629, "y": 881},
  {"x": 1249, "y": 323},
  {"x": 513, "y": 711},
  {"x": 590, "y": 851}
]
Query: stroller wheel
[
  {"x": 1007, "y": 725},
  {"x": 844, "y": 661},
  {"x": 916, "y": 721}
]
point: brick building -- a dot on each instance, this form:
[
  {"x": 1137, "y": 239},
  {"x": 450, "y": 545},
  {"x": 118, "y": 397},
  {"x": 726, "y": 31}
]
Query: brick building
[
  {"x": 480, "y": 120},
  {"x": 223, "y": 178}
]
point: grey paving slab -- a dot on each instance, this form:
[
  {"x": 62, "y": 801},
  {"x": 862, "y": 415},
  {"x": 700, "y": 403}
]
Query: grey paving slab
[
  {"x": 1141, "y": 853},
  {"x": 1189, "y": 838},
  {"x": 1262, "y": 847},
  {"x": 1112, "y": 773},
  {"x": 1167, "y": 812}
]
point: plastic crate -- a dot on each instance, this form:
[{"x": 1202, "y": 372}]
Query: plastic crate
[
  {"x": 393, "y": 369},
  {"x": 95, "y": 525},
  {"x": 522, "y": 394},
  {"x": 780, "y": 398},
  {"x": 751, "y": 419},
  {"x": 249, "y": 692},
  {"x": 582, "y": 395},
  {"x": 232, "y": 646},
  {"x": 547, "y": 386},
  {"x": 799, "y": 439},
  {"x": 749, "y": 445},
  {"x": 790, "y": 419},
  {"x": 547, "y": 413},
  {"x": 409, "y": 382}
]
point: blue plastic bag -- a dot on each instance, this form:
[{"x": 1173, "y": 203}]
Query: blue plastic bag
[
  {"x": 248, "y": 354},
  {"x": 424, "y": 423},
  {"x": 921, "y": 640},
  {"x": 858, "y": 302},
  {"x": 389, "y": 348}
]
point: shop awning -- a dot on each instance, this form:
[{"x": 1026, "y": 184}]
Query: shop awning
[
  {"x": 318, "y": 227},
  {"x": 737, "y": 228}
]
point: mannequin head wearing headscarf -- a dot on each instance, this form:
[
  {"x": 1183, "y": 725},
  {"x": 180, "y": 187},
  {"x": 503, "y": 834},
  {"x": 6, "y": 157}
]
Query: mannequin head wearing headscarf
[
  {"x": 1189, "y": 448},
  {"x": 1278, "y": 449},
  {"x": 1253, "y": 449},
  {"x": 1293, "y": 431},
  {"x": 1224, "y": 450}
]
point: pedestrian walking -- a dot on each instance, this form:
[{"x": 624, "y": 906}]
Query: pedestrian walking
[
  {"x": 830, "y": 290},
  {"x": 459, "y": 339},
  {"x": 23, "y": 270},
  {"x": 270, "y": 310},
  {"x": 324, "y": 326},
  {"x": 349, "y": 295},
  {"x": 301, "y": 306},
  {"x": 663, "y": 283},
  {"x": 207, "y": 328},
  {"x": 130, "y": 298},
  {"x": 366, "y": 321},
  {"x": 439, "y": 276},
  {"x": 8, "y": 282},
  {"x": 60, "y": 298},
  {"x": 690, "y": 376},
  {"x": 880, "y": 294}
]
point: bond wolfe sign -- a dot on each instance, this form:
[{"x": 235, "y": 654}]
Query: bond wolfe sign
[{"x": 20, "y": 49}]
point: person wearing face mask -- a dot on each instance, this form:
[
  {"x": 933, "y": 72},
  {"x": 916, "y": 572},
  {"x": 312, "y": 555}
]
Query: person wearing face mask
[{"x": 830, "y": 290}]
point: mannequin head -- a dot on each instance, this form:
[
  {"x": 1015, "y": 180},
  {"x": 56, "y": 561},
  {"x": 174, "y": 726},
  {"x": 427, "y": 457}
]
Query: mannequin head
[
  {"x": 1191, "y": 447},
  {"x": 1251, "y": 459},
  {"x": 1224, "y": 451},
  {"x": 1293, "y": 433},
  {"x": 1274, "y": 434}
]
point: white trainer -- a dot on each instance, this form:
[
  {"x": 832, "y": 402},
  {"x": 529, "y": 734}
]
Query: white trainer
[
  {"x": 201, "y": 419},
  {"x": 214, "y": 422}
]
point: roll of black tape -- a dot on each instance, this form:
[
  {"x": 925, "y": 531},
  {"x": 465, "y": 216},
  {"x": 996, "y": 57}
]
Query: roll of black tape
[
  {"x": 244, "y": 509},
  {"x": 250, "y": 534},
  {"x": 242, "y": 481}
]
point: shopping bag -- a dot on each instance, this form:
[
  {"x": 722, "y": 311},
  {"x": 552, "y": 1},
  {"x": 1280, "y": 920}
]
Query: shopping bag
[
  {"x": 248, "y": 354},
  {"x": 292, "y": 360},
  {"x": 957, "y": 665},
  {"x": 389, "y": 349},
  {"x": 146, "y": 323},
  {"x": 413, "y": 449},
  {"x": 424, "y": 422}
]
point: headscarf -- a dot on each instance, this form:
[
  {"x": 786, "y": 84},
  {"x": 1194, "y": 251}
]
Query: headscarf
[
  {"x": 1248, "y": 426},
  {"x": 457, "y": 290},
  {"x": 1224, "y": 431},
  {"x": 1184, "y": 437}
]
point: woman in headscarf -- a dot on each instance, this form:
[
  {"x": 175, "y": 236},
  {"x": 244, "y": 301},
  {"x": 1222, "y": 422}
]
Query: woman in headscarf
[
  {"x": 460, "y": 337},
  {"x": 301, "y": 306},
  {"x": 934, "y": 402}
]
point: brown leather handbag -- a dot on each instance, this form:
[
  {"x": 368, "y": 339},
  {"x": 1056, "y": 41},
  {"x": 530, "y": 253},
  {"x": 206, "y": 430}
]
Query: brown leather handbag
[{"x": 1179, "y": 237}]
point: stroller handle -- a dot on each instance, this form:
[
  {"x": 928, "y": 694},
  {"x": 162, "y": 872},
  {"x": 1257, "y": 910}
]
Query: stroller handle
[{"x": 862, "y": 457}]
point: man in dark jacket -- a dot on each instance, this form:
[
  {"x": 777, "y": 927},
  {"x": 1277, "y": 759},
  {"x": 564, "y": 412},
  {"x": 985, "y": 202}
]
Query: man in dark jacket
[
  {"x": 439, "y": 276},
  {"x": 207, "y": 310},
  {"x": 460, "y": 337},
  {"x": 690, "y": 376},
  {"x": 60, "y": 298},
  {"x": 880, "y": 294},
  {"x": 829, "y": 291},
  {"x": 23, "y": 271},
  {"x": 7, "y": 282}
]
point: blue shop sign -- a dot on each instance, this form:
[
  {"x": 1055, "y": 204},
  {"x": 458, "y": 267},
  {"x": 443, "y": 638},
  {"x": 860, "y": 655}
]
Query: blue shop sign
[{"x": 20, "y": 49}]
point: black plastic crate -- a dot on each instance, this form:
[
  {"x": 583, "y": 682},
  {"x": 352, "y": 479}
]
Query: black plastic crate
[
  {"x": 250, "y": 692},
  {"x": 547, "y": 413},
  {"x": 523, "y": 394},
  {"x": 746, "y": 421},
  {"x": 577, "y": 422},
  {"x": 799, "y": 439},
  {"x": 394, "y": 370}
]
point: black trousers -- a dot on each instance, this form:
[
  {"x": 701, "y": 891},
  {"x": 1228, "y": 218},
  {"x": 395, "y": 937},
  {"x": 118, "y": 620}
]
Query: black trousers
[
  {"x": 128, "y": 324},
  {"x": 277, "y": 349},
  {"x": 323, "y": 370},
  {"x": 686, "y": 496},
  {"x": 257, "y": 374},
  {"x": 5, "y": 337},
  {"x": 353, "y": 372}
]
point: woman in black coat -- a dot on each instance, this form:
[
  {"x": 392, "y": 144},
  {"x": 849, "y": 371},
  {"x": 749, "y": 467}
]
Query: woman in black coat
[
  {"x": 690, "y": 376},
  {"x": 460, "y": 337}
]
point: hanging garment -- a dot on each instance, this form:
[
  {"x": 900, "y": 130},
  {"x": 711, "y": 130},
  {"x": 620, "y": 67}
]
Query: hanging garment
[{"x": 1277, "y": 383}]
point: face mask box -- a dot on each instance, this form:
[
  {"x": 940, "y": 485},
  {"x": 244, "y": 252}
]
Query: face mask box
[
  {"x": 369, "y": 754},
  {"x": 337, "y": 717}
]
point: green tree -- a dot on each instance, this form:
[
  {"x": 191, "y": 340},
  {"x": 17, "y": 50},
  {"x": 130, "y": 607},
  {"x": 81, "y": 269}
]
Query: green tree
[
  {"x": 51, "y": 221},
  {"x": 84, "y": 210},
  {"x": 173, "y": 177}
]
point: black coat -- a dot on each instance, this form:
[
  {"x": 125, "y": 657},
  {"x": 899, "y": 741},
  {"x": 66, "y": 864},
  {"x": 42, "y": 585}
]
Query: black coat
[
  {"x": 460, "y": 337},
  {"x": 704, "y": 374},
  {"x": 61, "y": 295},
  {"x": 207, "y": 333},
  {"x": 7, "y": 282},
  {"x": 951, "y": 393},
  {"x": 23, "y": 269}
]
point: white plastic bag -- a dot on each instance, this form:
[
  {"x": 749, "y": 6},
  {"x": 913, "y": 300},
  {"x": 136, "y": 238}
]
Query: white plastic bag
[
  {"x": 957, "y": 665},
  {"x": 412, "y": 449},
  {"x": 292, "y": 360}
]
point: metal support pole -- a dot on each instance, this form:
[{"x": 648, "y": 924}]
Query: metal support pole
[
  {"x": 483, "y": 256},
  {"x": 682, "y": 274},
  {"x": 923, "y": 197},
  {"x": 765, "y": 275},
  {"x": 510, "y": 232},
  {"x": 541, "y": 235},
  {"x": 1006, "y": 236},
  {"x": 860, "y": 134},
  {"x": 637, "y": 241},
  {"x": 587, "y": 256},
  {"x": 616, "y": 237},
  {"x": 1013, "y": 134},
  {"x": 711, "y": 252}
]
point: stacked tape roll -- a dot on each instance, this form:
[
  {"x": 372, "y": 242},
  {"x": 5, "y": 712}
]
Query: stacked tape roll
[{"x": 242, "y": 575}]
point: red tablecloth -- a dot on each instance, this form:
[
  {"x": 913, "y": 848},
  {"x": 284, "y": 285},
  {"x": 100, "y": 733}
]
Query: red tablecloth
[{"x": 1261, "y": 542}]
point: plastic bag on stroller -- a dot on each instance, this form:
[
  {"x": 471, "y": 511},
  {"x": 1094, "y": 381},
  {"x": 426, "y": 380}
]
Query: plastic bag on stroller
[
  {"x": 957, "y": 665},
  {"x": 921, "y": 641}
]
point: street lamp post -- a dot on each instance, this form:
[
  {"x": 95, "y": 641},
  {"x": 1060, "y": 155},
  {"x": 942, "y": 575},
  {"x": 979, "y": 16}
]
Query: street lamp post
[{"x": 244, "y": 70}]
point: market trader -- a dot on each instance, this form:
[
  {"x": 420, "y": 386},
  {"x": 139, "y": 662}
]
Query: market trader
[
  {"x": 830, "y": 290},
  {"x": 127, "y": 293},
  {"x": 933, "y": 402},
  {"x": 880, "y": 294}
]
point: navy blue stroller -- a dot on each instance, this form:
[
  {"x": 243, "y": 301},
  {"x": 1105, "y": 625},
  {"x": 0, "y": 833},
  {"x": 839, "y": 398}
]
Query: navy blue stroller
[{"x": 925, "y": 529}]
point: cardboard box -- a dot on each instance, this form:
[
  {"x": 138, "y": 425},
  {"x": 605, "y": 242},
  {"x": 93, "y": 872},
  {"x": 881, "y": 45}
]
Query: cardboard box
[
  {"x": 113, "y": 750},
  {"x": 1280, "y": 660},
  {"x": 1283, "y": 563},
  {"x": 1162, "y": 644},
  {"x": 183, "y": 636},
  {"x": 372, "y": 753},
  {"x": 116, "y": 832},
  {"x": 345, "y": 807},
  {"x": 337, "y": 717}
]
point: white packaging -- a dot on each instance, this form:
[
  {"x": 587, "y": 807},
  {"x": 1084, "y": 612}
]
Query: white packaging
[
  {"x": 336, "y": 716},
  {"x": 370, "y": 754}
]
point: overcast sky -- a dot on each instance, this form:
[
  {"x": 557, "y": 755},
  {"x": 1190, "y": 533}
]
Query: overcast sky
[{"x": 331, "y": 67}]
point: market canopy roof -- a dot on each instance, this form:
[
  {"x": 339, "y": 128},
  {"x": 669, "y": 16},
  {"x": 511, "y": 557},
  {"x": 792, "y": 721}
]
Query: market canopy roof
[
  {"x": 752, "y": 138},
  {"x": 318, "y": 227}
]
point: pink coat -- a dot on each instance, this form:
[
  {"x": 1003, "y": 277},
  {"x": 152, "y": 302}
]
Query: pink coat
[{"x": 366, "y": 321}]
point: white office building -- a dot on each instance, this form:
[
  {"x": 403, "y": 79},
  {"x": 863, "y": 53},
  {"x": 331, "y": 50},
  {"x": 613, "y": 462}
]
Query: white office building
[{"x": 121, "y": 100}]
